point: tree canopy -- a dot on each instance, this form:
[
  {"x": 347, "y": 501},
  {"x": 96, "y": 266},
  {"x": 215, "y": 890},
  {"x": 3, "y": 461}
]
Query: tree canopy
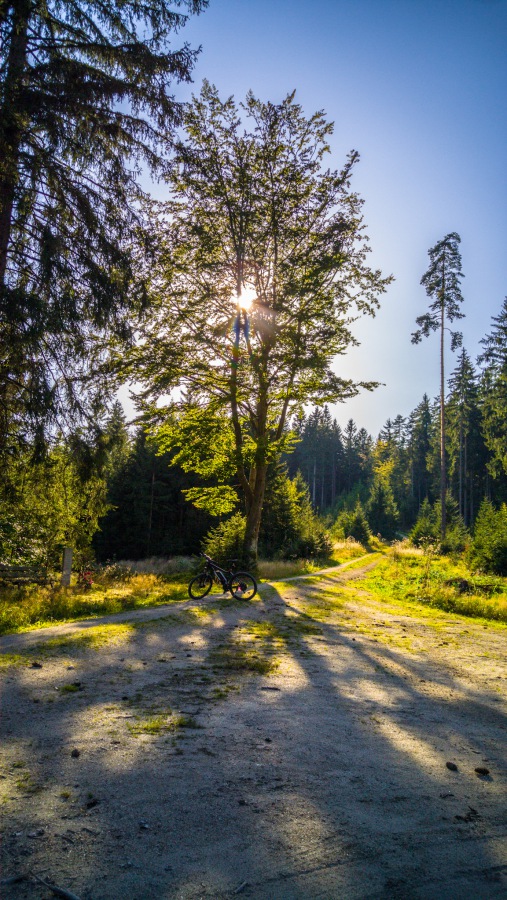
[{"x": 252, "y": 208}]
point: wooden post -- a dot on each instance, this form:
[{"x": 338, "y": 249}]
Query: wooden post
[{"x": 66, "y": 567}]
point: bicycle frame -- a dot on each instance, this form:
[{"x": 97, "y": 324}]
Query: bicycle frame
[{"x": 221, "y": 576}]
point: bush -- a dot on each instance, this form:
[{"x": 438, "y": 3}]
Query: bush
[
  {"x": 488, "y": 549},
  {"x": 225, "y": 541},
  {"x": 353, "y": 523}
]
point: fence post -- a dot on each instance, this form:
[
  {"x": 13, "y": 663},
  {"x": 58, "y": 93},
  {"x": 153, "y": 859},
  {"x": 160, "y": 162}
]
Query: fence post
[{"x": 66, "y": 566}]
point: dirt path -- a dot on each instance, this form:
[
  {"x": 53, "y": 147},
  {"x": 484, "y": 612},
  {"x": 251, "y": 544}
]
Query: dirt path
[
  {"x": 293, "y": 747},
  {"x": 12, "y": 643}
]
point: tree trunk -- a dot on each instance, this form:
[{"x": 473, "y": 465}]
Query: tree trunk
[
  {"x": 150, "y": 518},
  {"x": 442, "y": 420},
  {"x": 253, "y": 516},
  {"x": 11, "y": 127},
  {"x": 460, "y": 482},
  {"x": 465, "y": 482}
]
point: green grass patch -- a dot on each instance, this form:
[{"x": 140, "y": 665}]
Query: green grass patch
[
  {"x": 440, "y": 583},
  {"x": 241, "y": 657},
  {"x": 35, "y": 606},
  {"x": 162, "y": 723},
  {"x": 152, "y": 725}
]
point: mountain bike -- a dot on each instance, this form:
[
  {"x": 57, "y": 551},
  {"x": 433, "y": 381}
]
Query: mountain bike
[{"x": 241, "y": 585}]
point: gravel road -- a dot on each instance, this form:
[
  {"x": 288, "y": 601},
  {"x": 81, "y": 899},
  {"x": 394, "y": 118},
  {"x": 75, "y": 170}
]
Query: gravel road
[{"x": 313, "y": 743}]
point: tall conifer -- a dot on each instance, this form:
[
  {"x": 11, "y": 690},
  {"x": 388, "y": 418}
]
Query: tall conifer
[
  {"x": 85, "y": 101},
  {"x": 442, "y": 283}
]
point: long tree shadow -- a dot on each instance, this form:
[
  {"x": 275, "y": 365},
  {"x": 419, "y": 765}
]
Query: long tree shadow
[{"x": 204, "y": 771}]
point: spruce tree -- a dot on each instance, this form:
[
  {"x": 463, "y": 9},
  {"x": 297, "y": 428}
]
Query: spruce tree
[
  {"x": 466, "y": 445},
  {"x": 494, "y": 391},
  {"x": 85, "y": 102},
  {"x": 442, "y": 282},
  {"x": 381, "y": 508},
  {"x": 418, "y": 451}
]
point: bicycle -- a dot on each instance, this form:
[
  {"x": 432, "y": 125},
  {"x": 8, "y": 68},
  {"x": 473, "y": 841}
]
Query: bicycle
[{"x": 242, "y": 585}]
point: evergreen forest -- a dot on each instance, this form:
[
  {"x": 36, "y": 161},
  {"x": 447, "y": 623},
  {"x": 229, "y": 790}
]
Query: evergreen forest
[{"x": 226, "y": 304}]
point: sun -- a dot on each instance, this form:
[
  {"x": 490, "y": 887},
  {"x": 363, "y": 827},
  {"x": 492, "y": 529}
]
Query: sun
[{"x": 246, "y": 298}]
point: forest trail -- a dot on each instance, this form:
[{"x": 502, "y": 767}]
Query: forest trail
[
  {"x": 15, "y": 643},
  {"x": 295, "y": 746}
]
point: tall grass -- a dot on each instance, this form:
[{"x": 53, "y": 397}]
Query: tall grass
[
  {"x": 438, "y": 581},
  {"x": 158, "y": 565},
  {"x": 27, "y": 606},
  {"x": 278, "y": 569}
]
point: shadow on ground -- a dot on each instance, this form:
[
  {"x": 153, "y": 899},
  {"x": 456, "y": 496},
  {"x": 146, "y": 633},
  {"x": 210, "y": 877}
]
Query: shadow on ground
[{"x": 277, "y": 749}]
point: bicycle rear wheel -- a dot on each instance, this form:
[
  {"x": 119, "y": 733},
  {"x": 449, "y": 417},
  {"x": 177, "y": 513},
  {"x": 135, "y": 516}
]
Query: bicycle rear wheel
[
  {"x": 243, "y": 586},
  {"x": 200, "y": 586}
]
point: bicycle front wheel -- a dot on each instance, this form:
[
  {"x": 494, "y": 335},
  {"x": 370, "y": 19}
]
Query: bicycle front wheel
[
  {"x": 243, "y": 586},
  {"x": 200, "y": 586}
]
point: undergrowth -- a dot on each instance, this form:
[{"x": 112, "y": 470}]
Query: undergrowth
[
  {"x": 28, "y": 606},
  {"x": 118, "y": 588},
  {"x": 440, "y": 582}
]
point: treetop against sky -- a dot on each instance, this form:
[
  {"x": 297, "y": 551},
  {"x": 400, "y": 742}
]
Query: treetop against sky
[{"x": 418, "y": 89}]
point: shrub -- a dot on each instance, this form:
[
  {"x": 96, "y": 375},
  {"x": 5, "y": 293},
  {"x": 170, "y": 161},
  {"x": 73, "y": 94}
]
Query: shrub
[{"x": 488, "y": 549}]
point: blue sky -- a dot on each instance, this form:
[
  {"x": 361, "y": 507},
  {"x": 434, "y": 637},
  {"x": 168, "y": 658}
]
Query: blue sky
[{"x": 419, "y": 88}]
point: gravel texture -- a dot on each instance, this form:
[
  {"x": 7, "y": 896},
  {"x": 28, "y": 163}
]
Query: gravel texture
[{"x": 163, "y": 758}]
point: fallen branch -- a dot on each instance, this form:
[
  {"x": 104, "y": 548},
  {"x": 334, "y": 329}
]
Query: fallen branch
[{"x": 60, "y": 892}]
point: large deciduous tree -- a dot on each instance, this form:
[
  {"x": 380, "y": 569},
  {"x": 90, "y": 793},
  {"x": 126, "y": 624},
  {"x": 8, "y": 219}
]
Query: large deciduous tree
[
  {"x": 84, "y": 102},
  {"x": 442, "y": 282},
  {"x": 252, "y": 208}
]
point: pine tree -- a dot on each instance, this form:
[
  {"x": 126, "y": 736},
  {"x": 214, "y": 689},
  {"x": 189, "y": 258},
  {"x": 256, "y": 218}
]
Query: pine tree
[
  {"x": 494, "y": 391},
  {"x": 466, "y": 446},
  {"x": 442, "y": 283},
  {"x": 84, "y": 102}
]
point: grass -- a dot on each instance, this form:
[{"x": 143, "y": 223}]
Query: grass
[
  {"x": 277, "y": 570},
  {"x": 437, "y": 582},
  {"x": 25, "y": 607},
  {"x": 162, "y": 723},
  {"x": 241, "y": 656},
  {"x": 33, "y": 606}
]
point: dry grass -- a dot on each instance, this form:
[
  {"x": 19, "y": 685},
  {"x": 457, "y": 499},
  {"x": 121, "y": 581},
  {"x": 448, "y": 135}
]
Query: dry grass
[
  {"x": 279, "y": 569},
  {"x": 158, "y": 565},
  {"x": 31, "y": 606}
]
